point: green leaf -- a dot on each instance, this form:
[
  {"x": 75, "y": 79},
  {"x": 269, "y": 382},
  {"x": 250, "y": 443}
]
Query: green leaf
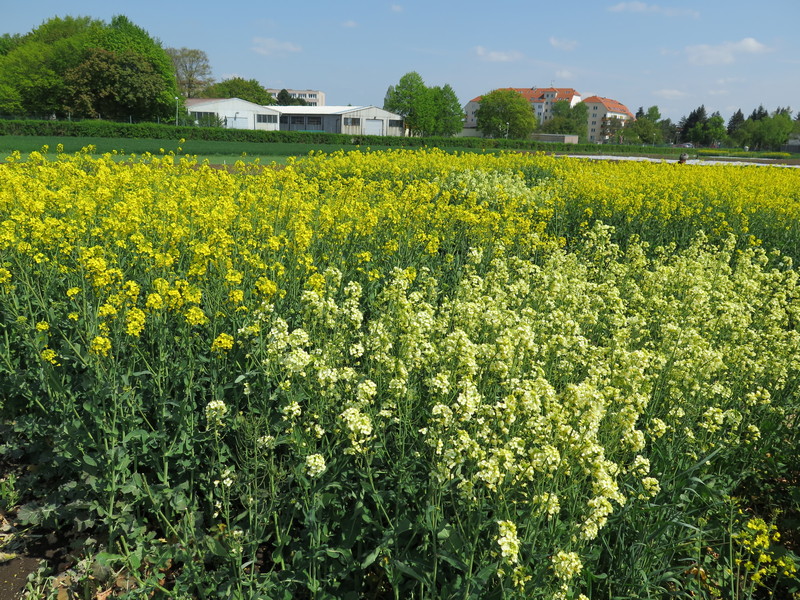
[
  {"x": 371, "y": 558},
  {"x": 107, "y": 559}
]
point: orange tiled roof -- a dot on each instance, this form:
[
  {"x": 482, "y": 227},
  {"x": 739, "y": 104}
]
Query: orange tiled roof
[
  {"x": 609, "y": 104},
  {"x": 534, "y": 95}
]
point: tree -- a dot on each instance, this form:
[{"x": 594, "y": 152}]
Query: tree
[
  {"x": 122, "y": 35},
  {"x": 759, "y": 113},
  {"x": 669, "y": 131},
  {"x": 114, "y": 85},
  {"x": 34, "y": 67},
  {"x": 567, "y": 119},
  {"x": 505, "y": 113},
  {"x": 646, "y": 129},
  {"x": 238, "y": 87},
  {"x": 408, "y": 99},
  {"x": 769, "y": 132},
  {"x": 653, "y": 114},
  {"x": 192, "y": 70},
  {"x": 735, "y": 122},
  {"x": 284, "y": 98},
  {"x": 31, "y": 71},
  {"x": 449, "y": 118},
  {"x": 8, "y": 42},
  {"x": 777, "y": 129},
  {"x": 425, "y": 110},
  {"x": 688, "y": 124},
  {"x": 611, "y": 128},
  {"x": 715, "y": 130}
]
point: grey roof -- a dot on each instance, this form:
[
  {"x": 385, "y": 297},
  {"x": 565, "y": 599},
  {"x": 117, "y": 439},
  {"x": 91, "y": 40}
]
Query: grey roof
[{"x": 318, "y": 110}]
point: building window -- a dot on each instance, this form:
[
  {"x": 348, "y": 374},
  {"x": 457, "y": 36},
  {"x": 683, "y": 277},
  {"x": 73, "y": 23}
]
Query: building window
[
  {"x": 284, "y": 120},
  {"x": 266, "y": 118},
  {"x": 298, "y": 120},
  {"x": 396, "y": 123},
  {"x": 352, "y": 121},
  {"x": 315, "y": 123}
]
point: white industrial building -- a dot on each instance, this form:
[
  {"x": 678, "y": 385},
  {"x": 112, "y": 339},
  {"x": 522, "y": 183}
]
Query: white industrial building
[{"x": 235, "y": 113}]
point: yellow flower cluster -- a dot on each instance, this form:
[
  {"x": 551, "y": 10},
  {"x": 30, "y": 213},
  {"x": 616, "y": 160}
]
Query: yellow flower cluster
[{"x": 757, "y": 541}]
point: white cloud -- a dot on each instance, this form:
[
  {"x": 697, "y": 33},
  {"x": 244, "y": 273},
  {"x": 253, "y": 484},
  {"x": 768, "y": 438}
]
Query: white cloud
[
  {"x": 396, "y": 8},
  {"x": 272, "y": 47},
  {"x": 350, "y": 24},
  {"x": 563, "y": 44},
  {"x": 496, "y": 55},
  {"x": 718, "y": 92},
  {"x": 669, "y": 94},
  {"x": 725, "y": 53},
  {"x": 564, "y": 74},
  {"x": 642, "y": 7}
]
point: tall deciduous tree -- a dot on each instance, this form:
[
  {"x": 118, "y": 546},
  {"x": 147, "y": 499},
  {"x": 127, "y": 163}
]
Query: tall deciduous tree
[
  {"x": 449, "y": 119},
  {"x": 34, "y": 67},
  {"x": 192, "y": 70},
  {"x": 425, "y": 110},
  {"x": 122, "y": 35},
  {"x": 238, "y": 87},
  {"x": 114, "y": 85},
  {"x": 408, "y": 99},
  {"x": 505, "y": 113}
]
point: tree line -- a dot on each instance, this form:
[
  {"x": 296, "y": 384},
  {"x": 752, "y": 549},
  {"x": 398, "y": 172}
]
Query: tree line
[
  {"x": 78, "y": 67},
  {"x": 506, "y": 113},
  {"x": 86, "y": 67}
]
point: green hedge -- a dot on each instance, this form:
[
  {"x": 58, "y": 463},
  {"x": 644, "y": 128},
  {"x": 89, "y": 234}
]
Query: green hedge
[
  {"x": 96, "y": 128},
  {"x": 740, "y": 153}
]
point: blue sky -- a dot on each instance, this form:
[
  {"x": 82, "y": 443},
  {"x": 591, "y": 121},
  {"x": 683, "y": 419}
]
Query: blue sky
[{"x": 676, "y": 54}]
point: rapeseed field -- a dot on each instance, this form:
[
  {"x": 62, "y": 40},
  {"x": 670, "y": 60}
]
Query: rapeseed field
[{"x": 404, "y": 374}]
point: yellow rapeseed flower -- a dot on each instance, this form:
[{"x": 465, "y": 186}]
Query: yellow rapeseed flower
[
  {"x": 222, "y": 343},
  {"x": 100, "y": 345}
]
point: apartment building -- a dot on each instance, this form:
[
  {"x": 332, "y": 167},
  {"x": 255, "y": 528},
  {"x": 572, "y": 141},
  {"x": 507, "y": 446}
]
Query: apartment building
[
  {"x": 312, "y": 97},
  {"x": 540, "y": 99},
  {"x": 606, "y": 117}
]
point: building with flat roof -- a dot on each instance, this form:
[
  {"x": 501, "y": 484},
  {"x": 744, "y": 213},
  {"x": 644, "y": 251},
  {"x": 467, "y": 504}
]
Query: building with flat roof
[{"x": 235, "y": 113}]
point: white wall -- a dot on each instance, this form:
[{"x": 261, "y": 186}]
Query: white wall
[{"x": 236, "y": 113}]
